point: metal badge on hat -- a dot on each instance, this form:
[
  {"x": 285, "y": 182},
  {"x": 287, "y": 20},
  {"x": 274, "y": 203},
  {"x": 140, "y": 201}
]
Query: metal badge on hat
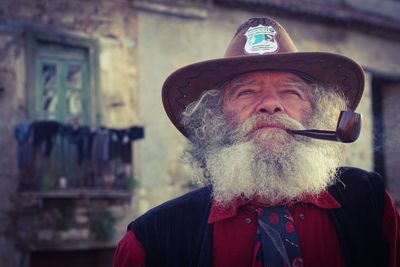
[{"x": 260, "y": 40}]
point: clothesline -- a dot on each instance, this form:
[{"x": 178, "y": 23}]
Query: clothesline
[{"x": 100, "y": 143}]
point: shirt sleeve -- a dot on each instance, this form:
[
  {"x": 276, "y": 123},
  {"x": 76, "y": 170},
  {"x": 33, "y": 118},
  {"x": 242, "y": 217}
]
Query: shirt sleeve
[
  {"x": 391, "y": 230},
  {"x": 129, "y": 252}
]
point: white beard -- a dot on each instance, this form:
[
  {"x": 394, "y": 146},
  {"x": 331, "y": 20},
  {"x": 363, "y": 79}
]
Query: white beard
[{"x": 297, "y": 167}]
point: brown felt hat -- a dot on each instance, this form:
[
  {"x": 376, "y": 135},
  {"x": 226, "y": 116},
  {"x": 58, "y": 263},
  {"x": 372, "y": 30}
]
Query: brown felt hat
[{"x": 260, "y": 44}]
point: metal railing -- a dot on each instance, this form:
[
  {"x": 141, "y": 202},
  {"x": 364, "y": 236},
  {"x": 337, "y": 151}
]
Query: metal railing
[{"x": 53, "y": 157}]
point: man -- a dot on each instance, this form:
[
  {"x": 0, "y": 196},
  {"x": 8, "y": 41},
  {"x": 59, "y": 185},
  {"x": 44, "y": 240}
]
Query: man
[{"x": 271, "y": 198}]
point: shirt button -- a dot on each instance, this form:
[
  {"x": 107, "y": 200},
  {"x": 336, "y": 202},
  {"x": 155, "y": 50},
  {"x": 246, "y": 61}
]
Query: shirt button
[
  {"x": 247, "y": 220},
  {"x": 259, "y": 211},
  {"x": 301, "y": 216}
]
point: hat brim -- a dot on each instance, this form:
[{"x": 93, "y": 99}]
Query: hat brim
[{"x": 186, "y": 84}]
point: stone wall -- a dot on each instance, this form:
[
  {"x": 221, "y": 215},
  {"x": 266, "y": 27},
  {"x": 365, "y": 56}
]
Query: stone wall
[
  {"x": 12, "y": 81},
  {"x": 113, "y": 25}
]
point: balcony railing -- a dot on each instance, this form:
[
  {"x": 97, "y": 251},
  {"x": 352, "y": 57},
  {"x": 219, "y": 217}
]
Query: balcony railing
[{"x": 63, "y": 160}]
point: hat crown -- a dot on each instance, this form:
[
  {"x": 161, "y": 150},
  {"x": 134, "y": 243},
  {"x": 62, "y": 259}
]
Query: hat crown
[{"x": 260, "y": 36}]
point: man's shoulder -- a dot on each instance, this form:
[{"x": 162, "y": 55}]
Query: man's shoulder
[
  {"x": 196, "y": 197},
  {"x": 359, "y": 221},
  {"x": 358, "y": 190},
  {"x": 195, "y": 202},
  {"x": 356, "y": 177}
]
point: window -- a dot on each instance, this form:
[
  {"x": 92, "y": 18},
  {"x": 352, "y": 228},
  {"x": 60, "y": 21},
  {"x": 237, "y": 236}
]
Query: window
[{"x": 62, "y": 78}]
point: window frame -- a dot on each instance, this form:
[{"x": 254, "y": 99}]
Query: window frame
[{"x": 33, "y": 37}]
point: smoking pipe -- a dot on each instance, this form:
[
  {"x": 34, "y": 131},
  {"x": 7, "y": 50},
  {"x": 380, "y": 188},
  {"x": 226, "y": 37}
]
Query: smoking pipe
[{"x": 347, "y": 129}]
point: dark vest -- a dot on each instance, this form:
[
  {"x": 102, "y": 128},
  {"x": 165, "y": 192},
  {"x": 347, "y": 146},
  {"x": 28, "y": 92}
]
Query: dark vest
[{"x": 177, "y": 234}]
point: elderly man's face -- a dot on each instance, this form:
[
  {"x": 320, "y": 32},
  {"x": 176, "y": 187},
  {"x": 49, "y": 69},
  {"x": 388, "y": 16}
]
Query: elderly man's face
[
  {"x": 266, "y": 92},
  {"x": 248, "y": 153}
]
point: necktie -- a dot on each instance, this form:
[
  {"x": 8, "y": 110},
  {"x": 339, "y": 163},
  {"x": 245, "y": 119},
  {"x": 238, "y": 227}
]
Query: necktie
[{"x": 279, "y": 243}]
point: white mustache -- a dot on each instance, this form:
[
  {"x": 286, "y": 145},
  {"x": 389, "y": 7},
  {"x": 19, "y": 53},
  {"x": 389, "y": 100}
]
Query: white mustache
[{"x": 265, "y": 120}]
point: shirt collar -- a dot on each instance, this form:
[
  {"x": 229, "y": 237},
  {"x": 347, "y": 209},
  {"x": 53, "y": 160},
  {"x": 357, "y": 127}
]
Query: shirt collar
[{"x": 324, "y": 200}]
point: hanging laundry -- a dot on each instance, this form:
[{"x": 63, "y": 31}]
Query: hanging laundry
[
  {"x": 121, "y": 142},
  {"x": 108, "y": 152},
  {"x": 24, "y": 135},
  {"x": 101, "y": 154},
  {"x": 136, "y": 132},
  {"x": 100, "y": 146},
  {"x": 120, "y": 145},
  {"x": 43, "y": 133},
  {"x": 80, "y": 137}
]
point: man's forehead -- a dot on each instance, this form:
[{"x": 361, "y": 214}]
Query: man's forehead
[
  {"x": 262, "y": 77},
  {"x": 278, "y": 75}
]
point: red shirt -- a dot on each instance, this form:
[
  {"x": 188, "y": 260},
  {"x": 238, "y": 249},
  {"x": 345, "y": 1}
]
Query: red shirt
[{"x": 235, "y": 230}]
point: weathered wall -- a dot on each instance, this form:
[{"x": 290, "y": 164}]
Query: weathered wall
[
  {"x": 12, "y": 111},
  {"x": 391, "y": 100},
  {"x": 11, "y": 75},
  {"x": 113, "y": 25},
  {"x": 181, "y": 41}
]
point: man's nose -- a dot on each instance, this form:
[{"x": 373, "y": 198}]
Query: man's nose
[{"x": 269, "y": 103}]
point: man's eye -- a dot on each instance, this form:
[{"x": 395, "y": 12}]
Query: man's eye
[
  {"x": 245, "y": 92},
  {"x": 293, "y": 92}
]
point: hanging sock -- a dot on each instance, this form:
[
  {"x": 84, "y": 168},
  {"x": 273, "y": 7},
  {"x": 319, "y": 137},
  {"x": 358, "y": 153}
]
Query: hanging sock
[{"x": 279, "y": 242}]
